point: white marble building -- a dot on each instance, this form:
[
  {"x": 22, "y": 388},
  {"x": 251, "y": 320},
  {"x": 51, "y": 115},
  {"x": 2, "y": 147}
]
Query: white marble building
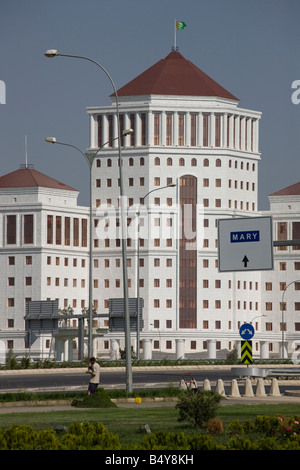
[{"x": 193, "y": 159}]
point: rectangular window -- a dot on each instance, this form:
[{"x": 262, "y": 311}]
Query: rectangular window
[
  {"x": 193, "y": 129},
  {"x": 58, "y": 231},
  {"x": 181, "y": 129},
  {"x": 205, "y": 130},
  {"x": 11, "y": 229},
  {"x": 156, "y": 128},
  {"x": 84, "y": 232},
  {"x": 28, "y": 228},
  {"x": 76, "y": 232},
  {"x": 67, "y": 230},
  {"x": 110, "y": 129},
  {"x": 282, "y": 233},
  {"x": 169, "y": 125},
  {"x": 143, "y": 129},
  {"x": 50, "y": 229},
  {"x": 296, "y": 234}
]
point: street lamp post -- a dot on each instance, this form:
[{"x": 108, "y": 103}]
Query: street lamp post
[
  {"x": 90, "y": 157},
  {"x": 282, "y": 320},
  {"x": 53, "y": 53},
  {"x": 138, "y": 271}
]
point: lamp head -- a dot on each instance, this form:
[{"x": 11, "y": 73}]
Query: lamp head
[
  {"x": 127, "y": 132},
  {"x": 51, "y": 53},
  {"x": 172, "y": 185},
  {"x": 51, "y": 140}
]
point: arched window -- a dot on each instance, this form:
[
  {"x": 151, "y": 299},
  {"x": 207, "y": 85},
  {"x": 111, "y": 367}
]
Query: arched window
[
  {"x": 205, "y": 162},
  {"x": 218, "y": 162},
  {"x": 169, "y": 161},
  {"x": 194, "y": 162},
  {"x": 142, "y": 161},
  {"x": 157, "y": 161},
  {"x": 108, "y": 163},
  {"x": 181, "y": 162},
  {"x": 130, "y": 162}
]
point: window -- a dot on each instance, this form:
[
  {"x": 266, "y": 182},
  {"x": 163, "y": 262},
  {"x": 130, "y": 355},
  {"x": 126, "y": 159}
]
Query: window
[
  {"x": 67, "y": 230},
  {"x": 169, "y": 125},
  {"x": 50, "y": 229},
  {"x": 28, "y": 228},
  {"x": 11, "y": 229},
  {"x": 296, "y": 234},
  {"x": 282, "y": 234},
  {"x": 76, "y": 232},
  {"x": 143, "y": 129},
  {"x": 156, "y": 128},
  {"x": 193, "y": 131},
  {"x": 58, "y": 231},
  {"x": 84, "y": 232},
  {"x": 217, "y": 130},
  {"x": 181, "y": 129}
]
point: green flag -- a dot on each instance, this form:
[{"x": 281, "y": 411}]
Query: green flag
[{"x": 180, "y": 25}]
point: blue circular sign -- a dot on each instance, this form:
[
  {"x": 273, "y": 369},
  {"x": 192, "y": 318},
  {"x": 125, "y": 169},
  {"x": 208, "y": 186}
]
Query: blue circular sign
[{"x": 247, "y": 331}]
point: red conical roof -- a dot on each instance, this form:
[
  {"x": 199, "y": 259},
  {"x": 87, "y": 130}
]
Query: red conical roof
[
  {"x": 293, "y": 190},
  {"x": 174, "y": 75},
  {"x": 30, "y": 178}
]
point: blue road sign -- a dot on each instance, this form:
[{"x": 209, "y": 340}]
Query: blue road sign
[{"x": 247, "y": 331}]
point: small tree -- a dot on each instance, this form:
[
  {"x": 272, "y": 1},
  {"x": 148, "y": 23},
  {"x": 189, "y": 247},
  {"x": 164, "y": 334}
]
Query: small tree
[{"x": 198, "y": 407}]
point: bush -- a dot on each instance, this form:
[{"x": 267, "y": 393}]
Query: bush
[
  {"x": 235, "y": 428},
  {"x": 198, "y": 407},
  {"x": 100, "y": 399},
  {"x": 215, "y": 426}
]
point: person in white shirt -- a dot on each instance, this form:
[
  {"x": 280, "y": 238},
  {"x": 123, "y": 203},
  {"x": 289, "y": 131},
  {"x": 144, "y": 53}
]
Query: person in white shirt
[{"x": 94, "y": 371}]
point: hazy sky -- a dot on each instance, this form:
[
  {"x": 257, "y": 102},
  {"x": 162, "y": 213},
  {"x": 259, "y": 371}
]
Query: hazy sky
[{"x": 250, "y": 47}]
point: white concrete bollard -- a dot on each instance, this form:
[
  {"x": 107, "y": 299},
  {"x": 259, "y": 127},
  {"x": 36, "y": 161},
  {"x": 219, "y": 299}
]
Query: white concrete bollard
[
  {"x": 206, "y": 385},
  {"x": 248, "y": 389},
  {"x": 220, "y": 387},
  {"x": 274, "y": 390},
  {"x": 260, "y": 388},
  {"x": 234, "y": 390}
]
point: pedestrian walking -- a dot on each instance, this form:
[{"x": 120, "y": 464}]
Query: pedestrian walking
[{"x": 94, "y": 371}]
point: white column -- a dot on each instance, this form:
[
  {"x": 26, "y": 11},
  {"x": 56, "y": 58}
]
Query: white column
[
  {"x": 138, "y": 130},
  {"x": 212, "y": 348},
  {"x": 264, "y": 349},
  {"x": 115, "y": 130},
  {"x": 200, "y": 130},
  {"x": 243, "y": 124},
  {"x": 180, "y": 348},
  {"x": 149, "y": 136},
  {"x": 212, "y": 130},
  {"x": 163, "y": 125},
  {"x": 93, "y": 131},
  {"x": 147, "y": 349},
  {"x": 248, "y": 135},
  {"x": 231, "y": 133},
  {"x": 175, "y": 137},
  {"x": 224, "y": 133}
]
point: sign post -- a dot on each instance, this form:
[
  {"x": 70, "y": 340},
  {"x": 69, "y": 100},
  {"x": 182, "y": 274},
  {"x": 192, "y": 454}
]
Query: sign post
[
  {"x": 246, "y": 332},
  {"x": 245, "y": 244}
]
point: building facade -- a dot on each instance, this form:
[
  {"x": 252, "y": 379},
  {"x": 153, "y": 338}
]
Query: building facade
[{"x": 192, "y": 159}]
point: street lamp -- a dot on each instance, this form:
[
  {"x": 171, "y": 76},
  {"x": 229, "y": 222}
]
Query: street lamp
[
  {"x": 172, "y": 185},
  {"x": 90, "y": 157},
  {"x": 53, "y": 53},
  {"x": 282, "y": 314}
]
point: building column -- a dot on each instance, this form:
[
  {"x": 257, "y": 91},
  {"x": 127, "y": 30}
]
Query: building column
[
  {"x": 224, "y": 131},
  {"x": 200, "y": 130},
  {"x": 212, "y": 348},
  {"x": 147, "y": 349},
  {"x": 93, "y": 131},
  {"x": 264, "y": 349},
  {"x": 180, "y": 348}
]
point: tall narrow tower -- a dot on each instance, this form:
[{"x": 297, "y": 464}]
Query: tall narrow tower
[{"x": 188, "y": 131}]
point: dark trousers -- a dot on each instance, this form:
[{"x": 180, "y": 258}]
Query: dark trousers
[{"x": 92, "y": 388}]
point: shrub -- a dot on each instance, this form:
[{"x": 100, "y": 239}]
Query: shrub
[
  {"x": 87, "y": 436},
  {"x": 235, "y": 428},
  {"x": 100, "y": 399},
  {"x": 214, "y": 426},
  {"x": 198, "y": 407}
]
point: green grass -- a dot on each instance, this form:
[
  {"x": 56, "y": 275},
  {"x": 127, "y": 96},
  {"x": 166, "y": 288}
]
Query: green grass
[{"x": 126, "y": 422}]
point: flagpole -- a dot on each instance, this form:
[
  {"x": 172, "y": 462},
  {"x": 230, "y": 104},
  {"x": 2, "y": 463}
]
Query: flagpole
[{"x": 175, "y": 35}]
